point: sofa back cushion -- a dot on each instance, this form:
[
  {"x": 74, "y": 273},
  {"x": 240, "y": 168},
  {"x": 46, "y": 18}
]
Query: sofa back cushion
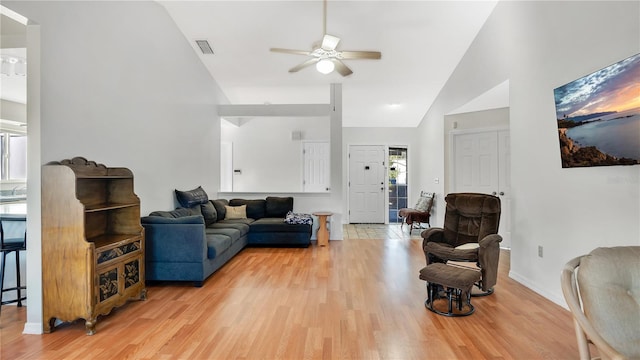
[
  {"x": 278, "y": 207},
  {"x": 220, "y": 210},
  {"x": 209, "y": 213},
  {"x": 255, "y": 208}
]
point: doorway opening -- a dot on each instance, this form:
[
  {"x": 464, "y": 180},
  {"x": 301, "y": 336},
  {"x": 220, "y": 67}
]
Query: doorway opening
[{"x": 398, "y": 182}]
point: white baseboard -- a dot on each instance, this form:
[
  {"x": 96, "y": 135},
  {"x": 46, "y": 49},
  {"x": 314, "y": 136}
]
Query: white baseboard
[
  {"x": 32, "y": 328},
  {"x": 558, "y": 299}
]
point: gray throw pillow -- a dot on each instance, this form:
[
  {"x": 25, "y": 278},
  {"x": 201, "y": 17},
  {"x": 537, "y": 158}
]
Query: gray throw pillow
[{"x": 424, "y": 204}]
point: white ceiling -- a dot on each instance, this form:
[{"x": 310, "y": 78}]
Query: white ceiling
[{"x": 421, "y": 44}]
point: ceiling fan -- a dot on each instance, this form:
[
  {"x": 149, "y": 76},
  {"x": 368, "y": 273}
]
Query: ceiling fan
[{"x": 324, "y": 54}]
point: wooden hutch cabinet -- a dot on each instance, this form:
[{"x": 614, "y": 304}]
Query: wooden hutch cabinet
[{"x": 92, "y": 241}]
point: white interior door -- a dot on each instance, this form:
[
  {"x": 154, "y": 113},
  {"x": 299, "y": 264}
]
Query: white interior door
[
  {"x": 476, "y": 162},
  {"x": 316, "y": 159},
  {"x": 366, "y": 184},
  {"x": 482, "y": 164},
  {"x": 504, "y": 189}
]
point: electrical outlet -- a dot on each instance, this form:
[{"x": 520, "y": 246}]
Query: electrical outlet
[{"x": 539, "y": 250}]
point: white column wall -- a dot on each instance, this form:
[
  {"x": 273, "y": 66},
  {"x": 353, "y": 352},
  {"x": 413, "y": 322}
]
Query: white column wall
[
  {"x": 133, "y": 95},
  {"x": 538, "y": 46}
]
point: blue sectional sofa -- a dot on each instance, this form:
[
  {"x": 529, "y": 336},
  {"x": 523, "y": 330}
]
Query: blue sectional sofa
[{"x": 191, "y": 242}]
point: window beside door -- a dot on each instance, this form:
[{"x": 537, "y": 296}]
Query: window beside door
[{"x": 397, "y": 182}]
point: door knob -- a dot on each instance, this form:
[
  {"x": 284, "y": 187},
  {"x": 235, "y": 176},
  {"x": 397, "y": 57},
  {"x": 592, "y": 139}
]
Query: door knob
[
  {"x": 501, "y": 193},
  {"x": 494, "y": 193}
]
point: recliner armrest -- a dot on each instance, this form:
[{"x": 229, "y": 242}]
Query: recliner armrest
[
  {"x": 434, "y": 234},
  {"x": 488, "y": 258},
  {"x": 490, "y": 240}
]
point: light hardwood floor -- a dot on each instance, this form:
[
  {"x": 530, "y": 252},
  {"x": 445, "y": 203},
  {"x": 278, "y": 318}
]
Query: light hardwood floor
[{"x": 356, "y": 299}]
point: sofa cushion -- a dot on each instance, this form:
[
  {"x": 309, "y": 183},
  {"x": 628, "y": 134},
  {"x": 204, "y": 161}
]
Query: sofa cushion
[
  {"x": 217, "y": 244},
  {"x": 193, "y": 197},
  {"x": 209, "y": 213},
  {"x": 219, "y": 204},
  {"x": 233, "y": 234},
  {"x": 277, "y": 225},
  {"x": 241, "y": 225},
  {"x": 196, "y": 210},
  {"x": 235, "y": 212},
  {"x": 255, "y": 208},
  {"x": 177, "y": 213},
  {"x": 278, "y": 206}
]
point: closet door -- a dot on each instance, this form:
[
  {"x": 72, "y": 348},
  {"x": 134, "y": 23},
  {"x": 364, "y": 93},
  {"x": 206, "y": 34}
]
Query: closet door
[
  {"x": 476, "y": 162},
  {"x": 482, "y": 164}
]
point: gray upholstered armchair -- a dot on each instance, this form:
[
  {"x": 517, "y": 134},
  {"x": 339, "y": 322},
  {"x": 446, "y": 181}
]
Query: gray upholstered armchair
[
  {"x": 470, "y": 234},
  {"x": 603, "y": 295}
]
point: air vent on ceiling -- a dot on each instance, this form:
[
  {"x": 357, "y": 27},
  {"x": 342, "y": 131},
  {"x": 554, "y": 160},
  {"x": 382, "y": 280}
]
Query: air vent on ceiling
[{"x": 204, "y": 46}]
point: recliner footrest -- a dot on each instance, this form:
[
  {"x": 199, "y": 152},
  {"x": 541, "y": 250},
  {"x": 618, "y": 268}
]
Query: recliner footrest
[{"x": 458, "y": 282}]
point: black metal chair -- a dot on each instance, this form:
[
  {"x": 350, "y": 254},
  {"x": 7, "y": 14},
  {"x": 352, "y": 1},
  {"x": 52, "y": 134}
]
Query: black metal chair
[{"x": 10, "y": 245}]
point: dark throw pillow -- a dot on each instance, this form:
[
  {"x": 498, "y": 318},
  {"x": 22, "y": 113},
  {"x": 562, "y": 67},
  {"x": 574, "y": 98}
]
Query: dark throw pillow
[{"x": 193, "y": 197}]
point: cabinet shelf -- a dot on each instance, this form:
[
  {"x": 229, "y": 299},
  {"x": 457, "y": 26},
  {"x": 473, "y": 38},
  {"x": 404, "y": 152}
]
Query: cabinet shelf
[
  {"x": 108, "y": 206},
  {"x": 103, "y": 177},
  {"x": 111, "y": 240}
]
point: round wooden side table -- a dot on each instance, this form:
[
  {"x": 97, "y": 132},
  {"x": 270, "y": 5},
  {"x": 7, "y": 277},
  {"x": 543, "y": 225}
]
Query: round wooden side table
[{"x": 323, "y": 232}]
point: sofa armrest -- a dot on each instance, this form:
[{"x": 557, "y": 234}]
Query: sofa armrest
[
  {"x": 175, "y": 239},
  {"x": 192, "y": 219}
]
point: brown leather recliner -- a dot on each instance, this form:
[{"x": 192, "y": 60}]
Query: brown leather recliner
[{"x": 470, "y": 234}]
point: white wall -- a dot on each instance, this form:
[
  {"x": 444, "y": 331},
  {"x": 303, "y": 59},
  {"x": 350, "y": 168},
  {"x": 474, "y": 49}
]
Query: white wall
[
  {"x": 539, "y": 46},
  {"x": 264, "y": 151},
  {"x": 120, "y": 85},
  {"x": 311, "y": 202},
  {"x": 132, "y": 95}
]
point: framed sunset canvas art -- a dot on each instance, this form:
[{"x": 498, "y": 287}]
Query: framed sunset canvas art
[{"x": 599, "y": 117}]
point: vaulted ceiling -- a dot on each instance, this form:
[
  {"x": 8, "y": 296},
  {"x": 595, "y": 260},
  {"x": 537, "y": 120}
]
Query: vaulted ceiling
[{"x": 421, "y": 44}]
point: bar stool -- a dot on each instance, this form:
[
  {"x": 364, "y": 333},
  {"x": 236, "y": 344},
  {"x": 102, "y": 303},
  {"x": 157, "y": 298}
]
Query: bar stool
[{"x": 7, "y": 246}]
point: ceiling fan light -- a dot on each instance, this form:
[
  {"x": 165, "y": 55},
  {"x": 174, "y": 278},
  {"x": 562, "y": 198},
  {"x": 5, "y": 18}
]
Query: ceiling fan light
[{"x": 325, "y": 66}]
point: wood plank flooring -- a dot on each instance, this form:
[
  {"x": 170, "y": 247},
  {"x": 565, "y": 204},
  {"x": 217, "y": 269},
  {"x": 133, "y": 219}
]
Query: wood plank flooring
[{"x": 356, "y": 299}]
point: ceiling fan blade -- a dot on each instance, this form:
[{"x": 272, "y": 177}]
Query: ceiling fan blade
[
  {"x": 360, "y": 54},
  {"x": 341, "y": 68},
  {"x": 329, "y": 42},
  {"x": 289, "y": 51},
  {"x": 304, "y": 64}
]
